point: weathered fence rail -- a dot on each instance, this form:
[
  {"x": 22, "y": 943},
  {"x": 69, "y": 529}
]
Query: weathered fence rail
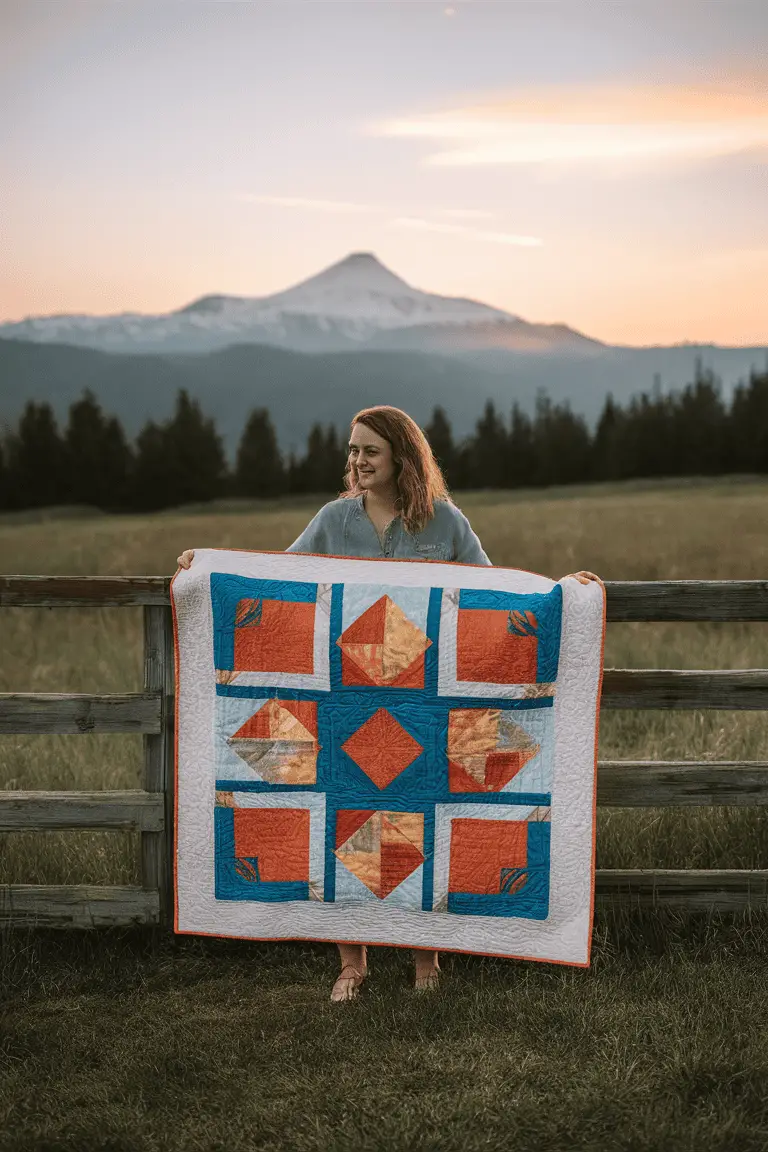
[{"x": 149, "y": 811}]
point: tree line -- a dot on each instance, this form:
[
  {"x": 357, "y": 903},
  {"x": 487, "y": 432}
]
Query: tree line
[{"x": 91, "y": 461}]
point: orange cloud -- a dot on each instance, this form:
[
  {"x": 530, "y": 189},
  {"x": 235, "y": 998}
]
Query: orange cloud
[{"x": 572, "y": 123}]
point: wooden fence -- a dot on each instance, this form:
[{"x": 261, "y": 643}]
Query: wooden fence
[{"x": 149, "y": 811}]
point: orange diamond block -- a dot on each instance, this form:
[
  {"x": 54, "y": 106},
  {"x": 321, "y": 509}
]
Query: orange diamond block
[{"x": 382, "y": 748}]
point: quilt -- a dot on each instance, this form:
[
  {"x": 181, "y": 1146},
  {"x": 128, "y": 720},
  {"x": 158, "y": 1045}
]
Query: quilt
[{"x": 388, "y": 752}]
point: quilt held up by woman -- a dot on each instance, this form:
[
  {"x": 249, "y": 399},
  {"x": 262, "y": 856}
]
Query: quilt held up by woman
[{"x": 387, "y": 752}]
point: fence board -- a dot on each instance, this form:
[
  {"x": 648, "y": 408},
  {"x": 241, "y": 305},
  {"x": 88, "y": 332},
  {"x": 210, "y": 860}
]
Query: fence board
[
  {"x": 38, "y": 811},
  {"x": 727, "y": 890},
  {"x": 742, "y": 689},
  {"x": 83, "y": 591},
  {"x": 76, "y": 906},
  {"x": 50, "y": 712},
  {"x": 148, "y": 713},
  {"x": 652, "y": 783},
  {"x": 627, "y": 600},
  {"x": 84, "y": 906},
  {"x": 681, "y": 600}
]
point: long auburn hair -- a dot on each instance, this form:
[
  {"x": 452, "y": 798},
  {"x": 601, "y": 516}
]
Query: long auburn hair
[{"x": 419, "y": 479}]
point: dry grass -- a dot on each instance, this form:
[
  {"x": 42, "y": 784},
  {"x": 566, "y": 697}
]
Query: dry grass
[
  {"x": 125, "y": 1041},
  {"x": 701, "y": 531}
]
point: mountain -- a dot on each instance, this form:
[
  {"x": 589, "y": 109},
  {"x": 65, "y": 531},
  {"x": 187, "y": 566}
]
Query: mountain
[
  {"x": 357, "y": 303},
  {"x": 299, "y": 389}
]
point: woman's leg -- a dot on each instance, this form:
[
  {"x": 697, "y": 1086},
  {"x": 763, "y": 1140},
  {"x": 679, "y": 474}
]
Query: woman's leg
[
  {"x": 427, "y": 969},
  {"x": 354, "y": 965}
]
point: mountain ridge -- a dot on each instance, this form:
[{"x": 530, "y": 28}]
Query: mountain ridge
[
  {"x": 300, "y": 388},
  {"x": 353, "y": 303}
]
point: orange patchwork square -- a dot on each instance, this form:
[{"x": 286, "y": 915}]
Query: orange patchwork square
[
  {"x": 275, "y": 636},
  {"x": 277, "y": 837},
  {"x": 479, "y": 851},
  {"x": 489, "y": 649}
]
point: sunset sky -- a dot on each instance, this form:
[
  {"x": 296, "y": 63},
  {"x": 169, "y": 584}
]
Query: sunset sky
[{"x": 595, "y": 162}]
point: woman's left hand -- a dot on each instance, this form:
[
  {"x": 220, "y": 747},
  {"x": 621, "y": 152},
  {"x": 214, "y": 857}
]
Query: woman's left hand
[{"x": 584, "y": 577}]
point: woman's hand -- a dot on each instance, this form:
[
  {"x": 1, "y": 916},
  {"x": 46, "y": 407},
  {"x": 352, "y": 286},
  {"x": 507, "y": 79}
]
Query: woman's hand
[
  {"x": 582, "y": 577},
  {"x": 186, "y": 558}
]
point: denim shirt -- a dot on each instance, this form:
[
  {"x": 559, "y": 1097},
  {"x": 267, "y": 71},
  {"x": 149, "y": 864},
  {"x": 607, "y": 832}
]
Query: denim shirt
[{"x": 343, "y": 528}]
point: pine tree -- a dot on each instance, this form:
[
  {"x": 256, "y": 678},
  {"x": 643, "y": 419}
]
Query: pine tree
[
  {"x": 605, "y": 454},
  {"x": 259, "y": 468},
  {"x": 701, "y": 428},
  {"x": 748, "y": 425},
  {"x": 98, "y": 457},
  {"x": 520, "y": 470},
  {"x": 488, "y": 451},
  {"x": 4, "y": 493},
  {"x": 440, "y": 437},
  {"x": 179, "y": 462},
  {"x": 36, "y": 460},
  {"x": 314, "y": 466},
  {"x": 562, "y": 443},
  {"x": 336, "y": 456},
  {"x": 294, "y": 478},
  {"x": 150, "y": 470}
]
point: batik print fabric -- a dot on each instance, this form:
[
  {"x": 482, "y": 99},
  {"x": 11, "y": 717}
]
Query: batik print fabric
[{"x": 389, "y": 752}]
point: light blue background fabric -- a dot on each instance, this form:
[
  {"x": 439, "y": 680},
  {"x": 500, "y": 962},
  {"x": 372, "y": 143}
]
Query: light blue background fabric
[{"x": 343, "y": 528}]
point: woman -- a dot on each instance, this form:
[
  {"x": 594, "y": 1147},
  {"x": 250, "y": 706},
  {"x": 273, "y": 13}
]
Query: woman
[{"x": 396, "y": 506}]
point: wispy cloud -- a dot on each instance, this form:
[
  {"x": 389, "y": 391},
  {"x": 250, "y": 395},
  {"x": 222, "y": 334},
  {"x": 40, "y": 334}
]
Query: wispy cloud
[
  {"x": 307, "y": 205},
  {"x": 418, "y": 224},
  {"x": 589, "y": 123},
  {"x": 464, "y": 213},
  {"x": 316, "y": 205},
  {"x": 436, "y": 219}
]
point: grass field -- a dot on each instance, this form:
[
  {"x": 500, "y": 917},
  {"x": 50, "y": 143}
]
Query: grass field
[{"x": 134, "y": 1041}]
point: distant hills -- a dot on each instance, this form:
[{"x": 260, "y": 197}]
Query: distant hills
[{"x": 299, "y": 388}]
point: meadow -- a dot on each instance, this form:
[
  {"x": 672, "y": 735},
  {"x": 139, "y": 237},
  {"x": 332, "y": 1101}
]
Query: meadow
[{"x": 135, "y": 1040}]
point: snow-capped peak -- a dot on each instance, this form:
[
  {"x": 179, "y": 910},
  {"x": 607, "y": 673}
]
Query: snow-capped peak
[{"x": 358, "y": 289}]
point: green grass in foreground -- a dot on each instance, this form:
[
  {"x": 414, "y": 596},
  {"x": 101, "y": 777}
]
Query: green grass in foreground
[
  {"x": 131, "y": 1041},
  {"x": 120, "y": 1043}
]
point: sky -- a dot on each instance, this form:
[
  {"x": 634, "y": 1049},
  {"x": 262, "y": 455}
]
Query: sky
[{"x": 598, "y": 163}]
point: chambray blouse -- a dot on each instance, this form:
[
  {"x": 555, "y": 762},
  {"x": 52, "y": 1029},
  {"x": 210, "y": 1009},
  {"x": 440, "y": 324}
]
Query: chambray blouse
[{"x": 343, "y": 528}]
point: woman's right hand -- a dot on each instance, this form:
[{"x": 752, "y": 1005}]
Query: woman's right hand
[{"x": 186, "y": 558}]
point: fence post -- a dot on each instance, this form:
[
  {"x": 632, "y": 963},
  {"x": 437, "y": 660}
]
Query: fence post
[{"x": 157, "y": 847}]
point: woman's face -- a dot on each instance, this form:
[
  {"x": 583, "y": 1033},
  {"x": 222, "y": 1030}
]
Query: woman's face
[{"x": 371, "y": 454}]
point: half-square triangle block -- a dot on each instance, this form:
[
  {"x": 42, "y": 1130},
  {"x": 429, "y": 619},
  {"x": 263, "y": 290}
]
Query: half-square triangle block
[
  {"x": 380, "y": 848},
  {"x": 383, "y": 648},
  {"x": 279, "y": 742},
  {"x": 382, "y": 748},
  {"x": 486, "y": 749}
]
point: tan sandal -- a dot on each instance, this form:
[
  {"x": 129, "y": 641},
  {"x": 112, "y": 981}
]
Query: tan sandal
[
  {"x": 429, "y": 982},
  {"x": 348, "y": 987}
]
